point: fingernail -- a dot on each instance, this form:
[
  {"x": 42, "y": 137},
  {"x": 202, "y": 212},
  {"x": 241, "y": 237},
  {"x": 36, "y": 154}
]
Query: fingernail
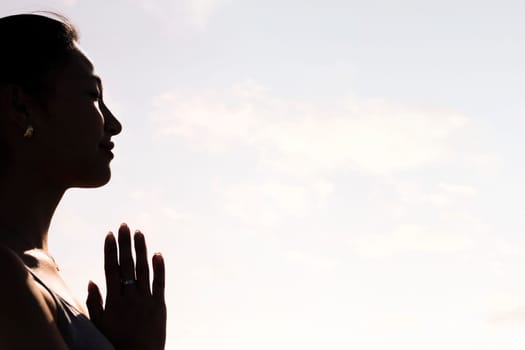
[
  {"x": 123, "y": 224},
  {"x": 91, "y": 285},
  {"x": 158, "y": 257}
]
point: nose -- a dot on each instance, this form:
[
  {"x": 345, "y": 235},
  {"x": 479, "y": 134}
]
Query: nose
[{"x": 111, "y": 123}]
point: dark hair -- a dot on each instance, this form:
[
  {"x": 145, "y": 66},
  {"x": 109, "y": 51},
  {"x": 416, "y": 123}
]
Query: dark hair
[{"x": 32, "y": 47}]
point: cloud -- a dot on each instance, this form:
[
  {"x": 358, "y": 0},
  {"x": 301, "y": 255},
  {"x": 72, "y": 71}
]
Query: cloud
[
  {"x": 506, "y": 309},
  {"x": 409, "y": 239},
  {"x": 299, "y": 148},
  {"x": 447, "y": 194},
  {"x": 313, "y": 262},
  {"x": 162, "y": 207},
  {"x": 515, "y": 316},
  {"x": 389, "y": 321},
  {"x": 461, "y": 190},
  {"x": 265, "y": 204},
  {"x": 202, "y": 10},
  {"x": 443, "y": 195},
  {"x": 269, "y": 202},
  {"x": 306, "y": 139},
  {"x": 194, "y": 13}
]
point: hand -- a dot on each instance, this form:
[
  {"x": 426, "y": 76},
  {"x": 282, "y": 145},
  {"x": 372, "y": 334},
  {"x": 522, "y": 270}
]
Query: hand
[{"x": 134, "y": 316}]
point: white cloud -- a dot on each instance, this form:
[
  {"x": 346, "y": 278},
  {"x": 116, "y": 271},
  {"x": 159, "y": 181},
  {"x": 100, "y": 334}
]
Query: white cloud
[
  {"x": 270, "y": 202},
  {"x": 305, "y": 139},
  {"x": 397, "y": 321},
  {"x": 447, "y": 195},
  {"x": 313, "y": 262},
  {"x": 300, "y": 147},
  {"x": 195, "y": 13},
  {"x": 153, "y": 210},
  {"x": 410, "y": 239},
  {"x": 461, "y": 190},
  {"x": 509, "y": 317},
  {"x": 175, "y": 215},
  {"x": 266, "y": 204},
  {"x": 506, "y": 309},
  {"x": 202, "y": 10},
  {"x": 440, "y": 195}
]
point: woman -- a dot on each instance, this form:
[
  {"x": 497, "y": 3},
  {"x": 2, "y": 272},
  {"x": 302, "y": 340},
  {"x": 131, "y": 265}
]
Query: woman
[{"x": 55, "y": 133}]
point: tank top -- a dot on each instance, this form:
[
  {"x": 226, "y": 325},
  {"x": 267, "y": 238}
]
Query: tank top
[{"x": 78, "y": 331}]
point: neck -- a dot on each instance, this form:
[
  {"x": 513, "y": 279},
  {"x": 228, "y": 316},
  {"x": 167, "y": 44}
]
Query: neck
[{"x": 27, "y": 206}]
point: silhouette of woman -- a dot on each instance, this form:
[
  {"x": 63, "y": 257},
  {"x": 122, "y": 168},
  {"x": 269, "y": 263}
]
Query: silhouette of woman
[{"x": 55, "y": 132}]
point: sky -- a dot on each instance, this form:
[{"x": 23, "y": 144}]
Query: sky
[{"x": 317, "y": 174}]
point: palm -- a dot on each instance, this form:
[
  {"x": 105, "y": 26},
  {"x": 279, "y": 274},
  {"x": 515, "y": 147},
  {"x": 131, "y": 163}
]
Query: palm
[{"x": 134, "y": 316}]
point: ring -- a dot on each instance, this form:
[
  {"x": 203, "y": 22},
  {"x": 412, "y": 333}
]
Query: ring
[{"x": 128, "y": 282}]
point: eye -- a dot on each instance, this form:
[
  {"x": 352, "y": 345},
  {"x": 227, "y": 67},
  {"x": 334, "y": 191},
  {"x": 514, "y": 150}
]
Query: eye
[{"x": 96, "y": 95}]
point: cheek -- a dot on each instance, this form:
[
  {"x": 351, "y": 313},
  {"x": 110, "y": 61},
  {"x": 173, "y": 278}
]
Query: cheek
[
  {"x": 77, "y": 114},
  {"x": 87, "y": 119},
  {"x": 78, "y": 131}
]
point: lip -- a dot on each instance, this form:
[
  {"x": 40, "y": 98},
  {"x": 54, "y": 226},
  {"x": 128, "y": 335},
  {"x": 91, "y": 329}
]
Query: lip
[
  {"x": 107, "y": 146},
  {"x": 108, "y": 152}
]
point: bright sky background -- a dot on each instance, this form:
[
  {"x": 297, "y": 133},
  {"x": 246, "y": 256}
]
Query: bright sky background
[{"x": 318, "y": 174}]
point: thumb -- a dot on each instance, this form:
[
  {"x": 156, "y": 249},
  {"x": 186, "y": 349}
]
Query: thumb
[{"x": 94, "y": 303}]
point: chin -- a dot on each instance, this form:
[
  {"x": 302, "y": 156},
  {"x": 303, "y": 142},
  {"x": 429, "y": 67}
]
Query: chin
[{"x": 94, "y": 180}]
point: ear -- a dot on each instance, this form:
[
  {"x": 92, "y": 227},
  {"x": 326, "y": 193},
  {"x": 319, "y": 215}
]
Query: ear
[{"x": 16, "y": 104}]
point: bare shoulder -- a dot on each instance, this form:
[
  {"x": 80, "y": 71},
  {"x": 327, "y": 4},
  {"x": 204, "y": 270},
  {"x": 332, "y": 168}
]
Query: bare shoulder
[
  {"x": 12, "y": 268},
  {"x": 27, "y": 317}
]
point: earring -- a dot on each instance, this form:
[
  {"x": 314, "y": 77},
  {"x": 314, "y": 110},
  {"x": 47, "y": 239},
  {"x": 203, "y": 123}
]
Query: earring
[{"x": 29, "y": 132}]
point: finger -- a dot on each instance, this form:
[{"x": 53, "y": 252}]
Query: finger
[
  {"x": 94, "y": 303},
  {"x": 111, "y": 266},
  {"x": 158, "y": 277},
  {"x": 142, "y": 269},
  {"x": 127, "y": 267}
]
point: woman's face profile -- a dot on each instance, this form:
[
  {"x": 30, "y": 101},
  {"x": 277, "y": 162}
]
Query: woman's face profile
[{"x": 78, "y": 125}]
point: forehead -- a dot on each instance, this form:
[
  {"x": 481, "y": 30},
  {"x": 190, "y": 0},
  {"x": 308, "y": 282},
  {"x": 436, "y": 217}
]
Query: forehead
[{"x": 79, "y": 67}]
